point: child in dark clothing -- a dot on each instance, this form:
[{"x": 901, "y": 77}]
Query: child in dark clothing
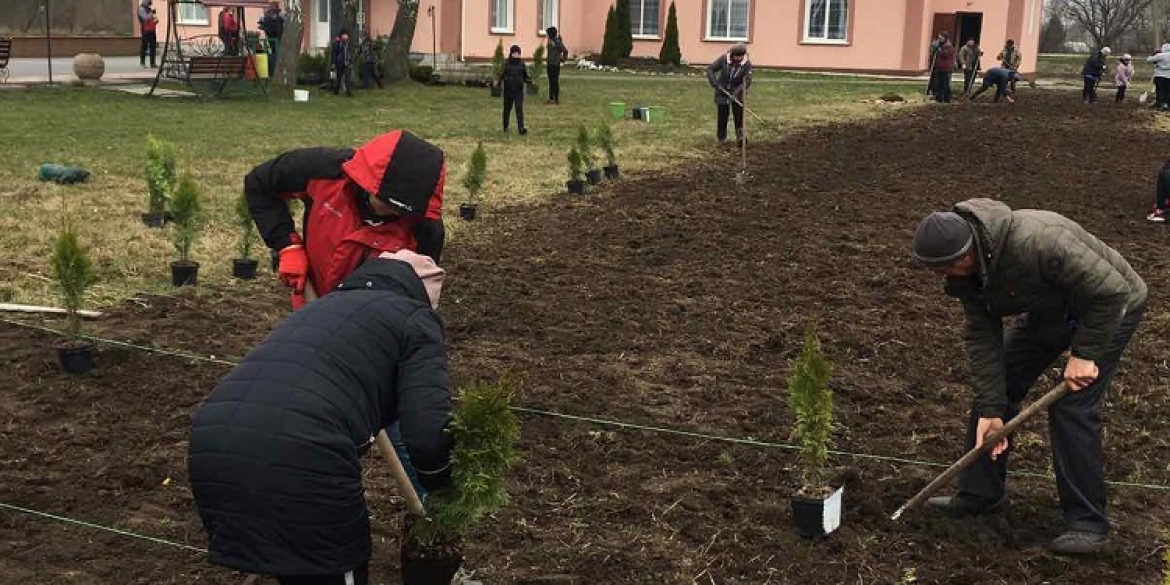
[{"x": 514, "y": 78}]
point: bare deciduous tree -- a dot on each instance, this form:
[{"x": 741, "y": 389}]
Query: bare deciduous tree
[
  {"x": 397, "y": 56},
  {"x": 1106, "y": 20}
]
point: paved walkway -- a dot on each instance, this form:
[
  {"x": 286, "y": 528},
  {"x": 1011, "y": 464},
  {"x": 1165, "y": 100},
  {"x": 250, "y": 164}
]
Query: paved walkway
[{"x": 36, "y": 71}]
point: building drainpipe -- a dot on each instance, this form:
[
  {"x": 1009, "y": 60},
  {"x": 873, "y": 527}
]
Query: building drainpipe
[{"x": 462, "y": 31}]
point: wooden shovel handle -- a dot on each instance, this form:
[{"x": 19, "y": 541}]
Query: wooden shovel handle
[
  {"x": 988, "y": 443},
  {"x": 413, "y": 503}
]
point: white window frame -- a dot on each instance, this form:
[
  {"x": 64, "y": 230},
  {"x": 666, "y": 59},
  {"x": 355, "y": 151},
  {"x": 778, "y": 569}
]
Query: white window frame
[
  {"x": 711, "y": 20},
  {"x": 828, "y": 10},
  {"x": 642, "y": 20},
  {"x": 544, "y": 19},
  {"x": 181, "y": 19},
  {"x": 510, "y": 5}
]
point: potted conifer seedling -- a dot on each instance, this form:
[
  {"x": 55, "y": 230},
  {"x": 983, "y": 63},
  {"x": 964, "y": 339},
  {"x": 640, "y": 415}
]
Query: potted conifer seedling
[
  {"x": 160, "y": 180},
  {"x": 245, "y": 266},
  {"x": 585, "y": 147},
  {"x": 575, "y": 184},
  {"x": 73, "y": 272},
  {"x": 485, "y": 432},
  {"x": 817, "y": 507},
  {"x": 188, "y": 213},
  {"x": 498, "y": 69},
  {"x": 605, "y": 141},
  {"x": 537, "y": 69},
  {"x": 473, "y": 182}
]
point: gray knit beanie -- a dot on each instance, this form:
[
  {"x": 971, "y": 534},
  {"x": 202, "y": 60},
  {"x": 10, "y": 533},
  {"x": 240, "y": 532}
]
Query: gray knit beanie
[{"x": 942, "y": 238}]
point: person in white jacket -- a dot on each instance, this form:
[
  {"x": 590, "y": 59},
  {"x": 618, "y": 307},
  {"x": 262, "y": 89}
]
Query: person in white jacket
[{"x": 1161, "y": 62}]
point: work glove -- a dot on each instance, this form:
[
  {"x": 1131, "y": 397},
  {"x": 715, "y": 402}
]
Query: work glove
[{"x": 294, "y": 267}]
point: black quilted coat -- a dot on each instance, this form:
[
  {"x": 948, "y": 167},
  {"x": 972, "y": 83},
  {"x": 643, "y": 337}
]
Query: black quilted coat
[{"x": 275, "y": 450}]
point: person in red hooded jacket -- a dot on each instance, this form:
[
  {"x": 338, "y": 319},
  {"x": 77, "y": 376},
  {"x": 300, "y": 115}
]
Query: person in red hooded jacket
[{"x": 383, "y": 197}]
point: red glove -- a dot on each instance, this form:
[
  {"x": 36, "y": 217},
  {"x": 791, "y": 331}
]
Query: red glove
[{"x": 294, "y": 267}]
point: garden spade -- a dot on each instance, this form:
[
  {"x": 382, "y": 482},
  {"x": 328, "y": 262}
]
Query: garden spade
[
  {"x": 988, "y": 443},
  {"x": 413, "y": 502}
]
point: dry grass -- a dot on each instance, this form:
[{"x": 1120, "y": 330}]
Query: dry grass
[{"x": 220, "y": 141}]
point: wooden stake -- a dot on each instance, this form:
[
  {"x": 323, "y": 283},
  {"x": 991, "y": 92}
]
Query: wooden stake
[
  {"x": 988, "y": 443},
  {"x": 11, "y": 307}
]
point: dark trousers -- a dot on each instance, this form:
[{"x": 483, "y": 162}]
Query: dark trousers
[
  {"x": 342, "y": 81},
  {"x": 360, "y": 576},
  {"x": 942, "y": 86},
  {"x": 725, "y": 111},
  {"x": 1001, "y": 88},
  {"x": 1074, "y": 422},
  {"x": 149, "y": 45},
  {"x": 1162, "y": 92},
  {"x": 1120, "y": 97},
  {"x": 1161, "y": 195},
  {"x": 370, "y": 72},
  {"x": 968, "y": 80},
  {"x": 514, "y": 97},
  {"x": 1089, "y": 93},
  {"x": 554, "y": 83}
]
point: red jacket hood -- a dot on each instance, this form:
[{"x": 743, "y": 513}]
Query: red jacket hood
[{"x": 398, "y": 168}]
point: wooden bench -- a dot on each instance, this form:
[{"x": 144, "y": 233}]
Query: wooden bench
[
  {"x": 209, "y": 76},
  {"x": 5, "y": 53}
]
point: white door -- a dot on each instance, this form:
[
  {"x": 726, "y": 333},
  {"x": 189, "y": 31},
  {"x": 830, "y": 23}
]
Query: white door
[{"x": 321, "y": 35}]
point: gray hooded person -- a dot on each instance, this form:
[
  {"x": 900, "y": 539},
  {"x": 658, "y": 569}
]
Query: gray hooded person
[
  {"x": 1161, "y": 63},
  {"x": 731, "y": 76}
]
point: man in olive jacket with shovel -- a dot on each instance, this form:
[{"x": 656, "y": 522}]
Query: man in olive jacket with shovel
[{"x": 1073, "y": 293}]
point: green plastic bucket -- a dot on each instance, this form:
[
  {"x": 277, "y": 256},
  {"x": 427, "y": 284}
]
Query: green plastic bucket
[
  {"x": 655, "y": 114},
  {"x": 618, "y": 109}
]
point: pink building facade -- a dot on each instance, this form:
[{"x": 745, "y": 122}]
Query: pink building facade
[{"x": 886, "y": 36}]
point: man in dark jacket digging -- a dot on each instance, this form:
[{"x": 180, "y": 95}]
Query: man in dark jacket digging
[
  {"x": 1003, "y": 80},
  {"x": 275, "y": 450},
  {"x": 731, "y": 76},
  {"x": 1073, "y": 293}
]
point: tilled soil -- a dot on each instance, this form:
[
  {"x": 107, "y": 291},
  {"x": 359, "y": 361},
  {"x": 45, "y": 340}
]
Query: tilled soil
[{"x": 677, "y": 300}]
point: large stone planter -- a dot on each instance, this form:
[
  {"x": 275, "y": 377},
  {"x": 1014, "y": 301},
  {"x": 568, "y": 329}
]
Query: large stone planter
[{"x": 89, "y": 66}]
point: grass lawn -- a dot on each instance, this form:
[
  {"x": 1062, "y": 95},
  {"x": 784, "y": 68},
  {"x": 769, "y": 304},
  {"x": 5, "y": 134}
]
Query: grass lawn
[{"x": 220, "y": 141}]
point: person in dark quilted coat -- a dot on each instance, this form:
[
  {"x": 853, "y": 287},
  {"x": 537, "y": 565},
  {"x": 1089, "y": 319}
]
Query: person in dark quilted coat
[
  {"x": 1071, "y": 292},
  {"x": 275, "y": 450}
]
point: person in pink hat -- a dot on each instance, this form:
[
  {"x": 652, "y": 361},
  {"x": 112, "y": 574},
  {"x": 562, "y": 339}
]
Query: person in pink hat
[{"x": 1123, "y": 75}]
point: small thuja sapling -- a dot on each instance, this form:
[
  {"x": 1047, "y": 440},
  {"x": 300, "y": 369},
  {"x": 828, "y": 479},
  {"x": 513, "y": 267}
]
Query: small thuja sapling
[
  {"x": 811, "y": 402},
  {"x": 816, "y": 509},
  {"x": 498, "y": 69},
  {"x": 187, "y": 208},
  {"x": 73, "y": 274},
  {"x": 161, "y": 179},
  {"x": 585, "y": 147},
  {"x": 485, "y": 432},
  {"x": 605, "y": 141},
  {"x": 473, "y": 181},
  {"x": 537, "y": 66},
  {"x": 576, "y": 168},
  {"x": 244, "y": 266}
]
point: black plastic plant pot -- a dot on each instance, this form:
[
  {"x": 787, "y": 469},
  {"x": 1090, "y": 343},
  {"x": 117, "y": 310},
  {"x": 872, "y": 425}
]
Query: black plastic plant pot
[
  {"x": 75, "y": 356},
  {"x": 184, "y": 273},
  {"x": 497, "y": 90},
  {"x": 430, "y": 571},
  {"x": 817, "y": 517},
  {"x": 467, "y": 211},
  {"x": 612, "y": 172},
  {"x": 576, "y": 187},
  {"x": 594, "y": 177},
  {"x": 154, "y": 220},
  {"x": 244, "y": 269},
  {"x": 636, "y": 113}
]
